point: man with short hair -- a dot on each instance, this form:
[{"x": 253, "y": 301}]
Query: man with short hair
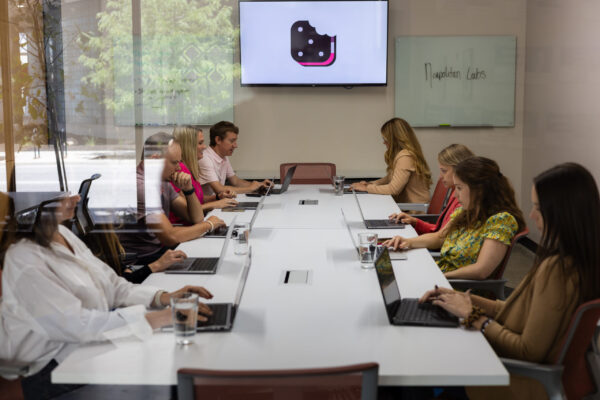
[
  {"x": 161, "y": 235},
  {"x": 215, "y": 167}
]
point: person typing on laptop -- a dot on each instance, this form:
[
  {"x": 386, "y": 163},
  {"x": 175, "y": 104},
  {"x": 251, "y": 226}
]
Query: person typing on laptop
[
  {"x": 215, "y": 168},
  {"x": 477, "y": 237}
]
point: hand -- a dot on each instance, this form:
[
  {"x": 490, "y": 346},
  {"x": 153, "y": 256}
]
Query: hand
[
  {"x": 223, "y": 203},
  {"x": 403, "y": 217},
  {"x": 216, "y": 221},
  {"x": 182, "y": 180},
  {"x": 457, "y": 303},
  {"x": 165, "y": 298},
  {"x": 227, "y": 194},
  {"x": 254, "y": 185},
  {"x": 397, "y": 243},
  {"x": 360, "y": 186},
  {"x": 267, "y": 183},
  {"x": 166, "y": 260},
  {"x": 430, "y": 295}
]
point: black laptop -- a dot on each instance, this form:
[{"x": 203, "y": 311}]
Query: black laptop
[
  {"x": 377, "y": 223},
  {"x": 223, "y": 314},
  {"x": 201, "y": 265},
  {"x": 407, "y": 311},
  {"x": 286, "y": 181}
]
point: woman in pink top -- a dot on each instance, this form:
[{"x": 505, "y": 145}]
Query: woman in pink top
[
  {"x": 192, "y": 144},
  {"x": 448, "y": 158}
]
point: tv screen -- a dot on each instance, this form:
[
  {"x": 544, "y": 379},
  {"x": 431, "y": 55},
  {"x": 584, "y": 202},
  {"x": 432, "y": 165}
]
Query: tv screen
[{"x": 313, "y": 42}]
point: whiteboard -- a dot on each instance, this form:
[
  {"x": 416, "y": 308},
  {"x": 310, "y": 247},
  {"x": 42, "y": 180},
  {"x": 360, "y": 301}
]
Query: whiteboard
[{"x": 456, "y": 80}]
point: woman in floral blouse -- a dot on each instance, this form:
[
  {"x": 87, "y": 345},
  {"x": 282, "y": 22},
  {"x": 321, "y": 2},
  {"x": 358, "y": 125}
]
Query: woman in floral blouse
[{"x": 479, "y": 233}]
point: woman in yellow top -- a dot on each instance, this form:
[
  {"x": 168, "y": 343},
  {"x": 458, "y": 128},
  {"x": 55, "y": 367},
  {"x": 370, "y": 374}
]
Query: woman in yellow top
[
  {"x": 531, "y": 324},
  {"x": 477, "y": 237},
  {"x": 408, "y": 176}
]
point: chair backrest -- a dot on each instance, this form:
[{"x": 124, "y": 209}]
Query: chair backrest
[
  {"x": 349, "y": 382},
  {"x": 83, "y": 222},
  {"x": 439, "y": 199},
  {"x": 499, "y": 272},
  {"x": 309, "y": 173},
  {"x": 577, "y": 379}
]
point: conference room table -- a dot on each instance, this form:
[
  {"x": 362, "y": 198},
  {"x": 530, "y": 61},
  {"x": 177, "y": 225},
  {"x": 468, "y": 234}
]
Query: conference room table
[{"x": 336, "y": 317}]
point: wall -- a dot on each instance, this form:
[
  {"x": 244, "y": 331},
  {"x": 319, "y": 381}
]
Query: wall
[
  {"x": 342, "y": 126},
  {"x": 562, "y": 86}
]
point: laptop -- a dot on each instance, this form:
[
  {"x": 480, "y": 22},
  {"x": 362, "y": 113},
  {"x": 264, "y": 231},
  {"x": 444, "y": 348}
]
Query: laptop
[
  {"x": 247, "y": 205},
  {"x": 224, "y": 313},
  {"x": 201, "y": 265},
  {"x": 221, "y": 231},
  {"x": 377, "y": 223},
  {"x": 286, "y": 181},
  {"x": 407, "y": 311},
  {"x": 349, "y": 190},
  {"x": 394, "y": 255}
]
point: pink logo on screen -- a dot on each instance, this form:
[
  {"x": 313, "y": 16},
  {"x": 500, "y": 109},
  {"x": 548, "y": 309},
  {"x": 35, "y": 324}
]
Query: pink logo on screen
[{"x": 310, "y": 49}]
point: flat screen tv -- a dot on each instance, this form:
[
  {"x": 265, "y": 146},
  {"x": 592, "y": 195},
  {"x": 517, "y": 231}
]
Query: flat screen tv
[{"x": 313, "y": 43}]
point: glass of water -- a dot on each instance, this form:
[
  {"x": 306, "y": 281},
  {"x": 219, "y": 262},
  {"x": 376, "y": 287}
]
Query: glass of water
[
  {"x": 338, "y": 185},
  {"x": 241, "y": 233},
  {"x": 367, "y": 244},
  {"x": 184, "y": 309}
]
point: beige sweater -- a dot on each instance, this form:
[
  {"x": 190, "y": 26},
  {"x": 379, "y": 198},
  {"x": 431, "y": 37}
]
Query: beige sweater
[
  {"x": 530, "y": 326},
  {"x": 402, "y": 183}
]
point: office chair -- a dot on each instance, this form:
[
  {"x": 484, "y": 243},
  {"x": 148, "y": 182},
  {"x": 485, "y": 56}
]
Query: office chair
[
  {"x": 83, "y": 223},
  {"x": 349, "y": 382},
  {"x": 433, "y": 209},
  {"x": 495, "y": 283},
  {"x": 309, "y": 173},
  {"x": 571, "y": 376}
]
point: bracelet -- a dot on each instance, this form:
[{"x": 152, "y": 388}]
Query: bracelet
[
  {"x": 188, "y": 192},
  {"x": 157, "y": 301},
  {"x": 485, "y": 324},
  {"x": 476, "y": 313},
  {"x": 212, "y": 226}
]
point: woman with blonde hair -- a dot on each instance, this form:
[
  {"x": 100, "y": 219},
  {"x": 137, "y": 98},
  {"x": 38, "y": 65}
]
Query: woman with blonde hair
[
  {"x": 408, "y": 177},
  {"x": 191, "y": 140},
  {"x": 448, "y": 158}
]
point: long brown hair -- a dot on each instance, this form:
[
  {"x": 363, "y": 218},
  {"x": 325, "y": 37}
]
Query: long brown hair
[
  {"x": 491, "y": 193},
  {"x": 570, "y": 206},
  {"x": 400, "y": 136},
  {"x": 454, "y": 154}
]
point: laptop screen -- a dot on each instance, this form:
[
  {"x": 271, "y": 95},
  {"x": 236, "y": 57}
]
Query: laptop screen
[
  {"x": 246, "y": 269},
  {"x": 288, "y": 177},
  {"x": 358, "y": 203},
  {"x": 387, "y": 282}
]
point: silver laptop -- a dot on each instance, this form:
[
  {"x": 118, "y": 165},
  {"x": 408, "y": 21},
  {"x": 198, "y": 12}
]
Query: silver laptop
[
  {"x": 247, "y": 205},
  {"x": 201, "y": 265},
  {"x": 223, "y": 314},
  {"x": 286, "y": 181},
  {"x": 377, "y": 223},
  {"x": 394, "y": 255}
]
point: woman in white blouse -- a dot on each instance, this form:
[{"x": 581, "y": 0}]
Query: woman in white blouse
[{"x": 57, "y": 295}]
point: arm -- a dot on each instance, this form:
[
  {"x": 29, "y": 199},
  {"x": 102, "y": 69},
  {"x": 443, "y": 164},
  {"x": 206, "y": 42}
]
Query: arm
[
  {"x": 186, "y": 207},
  {"x": 490, "y": 256},
  {"x": 428, "y": 240},
  {"x": 403, "y": 169},
  {"x": 243, "y": 186},
  {"x": 423, "y": 227},
  {"x": 170, "y": 236}
]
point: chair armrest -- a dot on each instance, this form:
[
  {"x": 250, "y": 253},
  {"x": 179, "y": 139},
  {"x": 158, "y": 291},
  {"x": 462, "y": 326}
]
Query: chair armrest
[
  {"x": 547, "y": 374},
  {"x": 436, "y": 254},
  {"x": 495, "y": 286},
  {"x": 414, "y": 206}
]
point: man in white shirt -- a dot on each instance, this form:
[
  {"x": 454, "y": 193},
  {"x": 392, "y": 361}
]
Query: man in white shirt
[{"x": 215, "y": 167}]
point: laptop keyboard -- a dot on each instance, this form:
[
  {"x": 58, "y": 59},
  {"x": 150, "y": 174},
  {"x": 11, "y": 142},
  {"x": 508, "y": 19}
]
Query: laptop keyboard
[
  {"x": 411, "y": 310},
  {"x": 384, "y": 222},
  {"x": 203, "y": 264},
  {"x": 218, "y": 317}
]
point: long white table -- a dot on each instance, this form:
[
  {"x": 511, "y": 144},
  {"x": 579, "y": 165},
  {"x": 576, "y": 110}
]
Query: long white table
[{"x": 337, "y": 318}]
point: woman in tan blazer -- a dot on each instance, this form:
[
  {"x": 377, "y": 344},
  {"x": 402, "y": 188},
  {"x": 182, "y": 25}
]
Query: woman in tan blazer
[
  {"x": 530, "y": 325},
  {"x": 408, "y": 176}
]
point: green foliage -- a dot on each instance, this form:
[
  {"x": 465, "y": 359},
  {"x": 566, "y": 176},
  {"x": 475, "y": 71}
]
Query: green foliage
[{"x": 186, "y": 59}]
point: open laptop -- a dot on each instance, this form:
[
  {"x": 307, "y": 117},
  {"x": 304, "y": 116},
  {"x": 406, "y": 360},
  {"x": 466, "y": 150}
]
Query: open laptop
[
  {"x": 222, "y": 231},
  {"x": 201, "y": 265},
  {"x": 377, "y": 223},
  {"x": 247, "y": 205},
  {"x": 407, "y": 311},
  {"x": 349, "y": 190},
  {"x": 286, "y": 181},
  {"x": 224, "y": 313},
  {"x": 394, "y": 255}
]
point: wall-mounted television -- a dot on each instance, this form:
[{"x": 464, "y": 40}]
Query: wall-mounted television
[{"x": 313, "y": 43}]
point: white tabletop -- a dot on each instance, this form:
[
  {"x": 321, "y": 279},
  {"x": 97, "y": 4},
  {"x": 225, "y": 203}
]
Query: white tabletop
[{"x": 337, "y": 319}]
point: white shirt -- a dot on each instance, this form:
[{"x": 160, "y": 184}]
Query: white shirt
[
  {"x": 54, "y": 300},
  {"x": 213, "y": 168}
]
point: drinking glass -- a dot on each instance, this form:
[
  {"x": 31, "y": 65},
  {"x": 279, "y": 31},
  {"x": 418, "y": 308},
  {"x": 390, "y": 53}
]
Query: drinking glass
[
  {"x": 184, "y": 309},
  {"x": 367, "y": 244},
  {"x": 338, "y": 185},
  {"x": 241, "y": 232}
]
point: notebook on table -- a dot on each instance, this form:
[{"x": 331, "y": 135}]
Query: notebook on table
[
  {"x": 407, "y": 311},
  {"x": 377, "y": 223}
]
